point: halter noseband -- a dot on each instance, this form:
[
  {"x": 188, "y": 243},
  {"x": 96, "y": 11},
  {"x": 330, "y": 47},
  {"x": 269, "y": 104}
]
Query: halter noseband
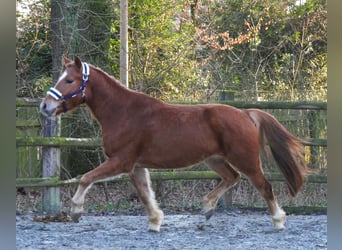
[{"x": 56, "y": 94}]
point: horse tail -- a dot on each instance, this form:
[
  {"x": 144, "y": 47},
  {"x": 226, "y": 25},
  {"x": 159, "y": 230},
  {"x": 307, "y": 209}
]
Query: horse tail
[{"x": 287, "y": 150}]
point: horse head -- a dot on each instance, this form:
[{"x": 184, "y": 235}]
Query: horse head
[{"x": 69, "y": 91}]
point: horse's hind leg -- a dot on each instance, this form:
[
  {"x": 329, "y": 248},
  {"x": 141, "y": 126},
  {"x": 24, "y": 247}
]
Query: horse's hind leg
[
  {"x": 141, "y": 180},
  {"x": 257, "y": 178},
  {"x": 229, "y": 177}
]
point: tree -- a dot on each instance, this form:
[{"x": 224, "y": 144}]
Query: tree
[
  {"x": 263, "y": 49},
  {"x": 33, "y": 48},
  {"x": 162, "y": 58},
  {"x": 86, "y": 29}
]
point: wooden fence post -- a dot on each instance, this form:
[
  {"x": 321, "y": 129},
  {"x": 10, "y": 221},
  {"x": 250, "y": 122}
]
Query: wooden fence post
[
  {"x": 51, "y": 167},
  {"x": 227, "y": 198},
  {"x": 124, "y": 42},
  {"x": 313, "y": 117}
]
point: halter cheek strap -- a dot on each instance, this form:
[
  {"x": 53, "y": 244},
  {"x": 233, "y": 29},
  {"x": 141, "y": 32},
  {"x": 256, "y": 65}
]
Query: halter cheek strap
[{"x": 57, "y": 95}]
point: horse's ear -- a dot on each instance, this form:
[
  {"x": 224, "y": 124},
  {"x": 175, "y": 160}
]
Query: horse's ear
[
  {"x": 78, "y": 62},
  {"x": 66, "y": 60}
]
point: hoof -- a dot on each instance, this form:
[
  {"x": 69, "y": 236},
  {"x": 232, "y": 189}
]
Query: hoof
[
  {"x": 208, "y": 213},
  {"x": 76, "y": 211},
  {"x": 279, "y": 227},
  {"x": 279, "y": 220},
  {"x": 154, "y": 228},
  {"x": 76, "y": 217},
  {"x": 156, "y": 221}
]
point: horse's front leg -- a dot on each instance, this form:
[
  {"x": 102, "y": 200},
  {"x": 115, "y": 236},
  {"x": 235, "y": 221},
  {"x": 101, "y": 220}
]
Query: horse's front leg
[
  {"x": 141, "y": 180},
  {"x": 109, "y": 168}
]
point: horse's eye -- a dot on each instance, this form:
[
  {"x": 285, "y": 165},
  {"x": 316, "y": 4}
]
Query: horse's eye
[{"x": 69, "y": 81}]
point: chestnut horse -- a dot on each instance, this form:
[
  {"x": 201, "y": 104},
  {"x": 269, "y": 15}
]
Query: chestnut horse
[{"x": 141, "y": 132}]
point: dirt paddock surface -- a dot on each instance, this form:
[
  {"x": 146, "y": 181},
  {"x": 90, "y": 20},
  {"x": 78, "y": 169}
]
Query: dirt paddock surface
[{"x": 225, "y": 230}]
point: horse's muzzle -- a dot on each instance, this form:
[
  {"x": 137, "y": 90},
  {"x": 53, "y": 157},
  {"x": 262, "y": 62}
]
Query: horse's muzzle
[{"x": 46, "y": 109}]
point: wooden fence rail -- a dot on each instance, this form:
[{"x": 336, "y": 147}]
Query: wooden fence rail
[
  {"x": 97, "y": 142},
  {"x": 155, "y": 175}
]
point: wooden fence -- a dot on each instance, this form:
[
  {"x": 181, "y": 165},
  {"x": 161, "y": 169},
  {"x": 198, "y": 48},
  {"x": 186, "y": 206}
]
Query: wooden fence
[{"x": 56, "y": 142}]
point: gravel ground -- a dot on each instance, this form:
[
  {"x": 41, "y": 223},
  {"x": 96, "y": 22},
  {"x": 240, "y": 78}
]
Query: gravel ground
[{"x": 225, "y": 230}]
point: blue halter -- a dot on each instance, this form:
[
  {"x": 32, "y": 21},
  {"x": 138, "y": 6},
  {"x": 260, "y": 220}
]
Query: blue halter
[{"x": 59, "y": 96}]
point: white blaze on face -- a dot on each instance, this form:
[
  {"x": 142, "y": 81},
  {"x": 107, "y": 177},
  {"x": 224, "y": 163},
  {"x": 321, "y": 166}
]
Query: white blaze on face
[{"x": 63, "y": 75}]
